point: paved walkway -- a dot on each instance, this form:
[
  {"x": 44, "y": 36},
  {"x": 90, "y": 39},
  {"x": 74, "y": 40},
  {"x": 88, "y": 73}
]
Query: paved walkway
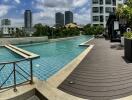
[{"x": 102, "y": 75}]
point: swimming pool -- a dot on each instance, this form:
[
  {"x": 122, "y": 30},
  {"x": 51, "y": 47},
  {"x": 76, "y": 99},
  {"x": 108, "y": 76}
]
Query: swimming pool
[
  {"x": 8, "y": 56},
  {"x": 53, "y": 57}
]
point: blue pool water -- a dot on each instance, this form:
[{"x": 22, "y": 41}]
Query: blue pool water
[
  {"x": 7, "y": 55},
  {"x": 53, "y": 57}
]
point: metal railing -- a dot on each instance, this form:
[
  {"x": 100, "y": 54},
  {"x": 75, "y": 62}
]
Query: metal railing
[{"x": 28, "y": 76}]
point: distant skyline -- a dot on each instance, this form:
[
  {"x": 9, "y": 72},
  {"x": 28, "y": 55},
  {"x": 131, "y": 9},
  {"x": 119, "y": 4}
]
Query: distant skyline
[{"x": 44, "y": 10}]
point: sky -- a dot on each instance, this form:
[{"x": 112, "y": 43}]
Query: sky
[{"x": 44, "y": 10}]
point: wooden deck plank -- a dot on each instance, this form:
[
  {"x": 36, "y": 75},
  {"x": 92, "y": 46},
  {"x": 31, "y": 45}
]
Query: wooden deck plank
[{"x": 102, "y": 75}]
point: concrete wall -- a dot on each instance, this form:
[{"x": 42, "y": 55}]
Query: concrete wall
[{"x": 24, "y": 40}]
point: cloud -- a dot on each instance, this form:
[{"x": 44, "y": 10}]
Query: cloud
[
  {"x": 17, "y": 1},
  {"x": 44, "y": 17},
  {"x": 5, "y": 0},
  {"x": 55, "y": 3},
  {"x": 18, "y": 22},
  {"x": 4, "y": 10},
  {"x": 79, "y": 3},
  {"x": 84, "y": 18}
]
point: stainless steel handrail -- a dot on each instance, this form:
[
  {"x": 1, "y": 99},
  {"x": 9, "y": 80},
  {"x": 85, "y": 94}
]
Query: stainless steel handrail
[
  {"x": 1, "y": 63},
  {"x": 14, "y": 71}
]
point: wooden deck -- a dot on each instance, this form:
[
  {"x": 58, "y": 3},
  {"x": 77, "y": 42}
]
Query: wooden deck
[{"x": 102, "y": 75}]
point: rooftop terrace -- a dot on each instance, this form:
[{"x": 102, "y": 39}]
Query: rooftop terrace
[{"x": 103, "y": 74}]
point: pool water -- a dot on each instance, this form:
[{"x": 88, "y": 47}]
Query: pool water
[
  {"x": 7, "y": 55},
  {"x": 53, "y": 57}
]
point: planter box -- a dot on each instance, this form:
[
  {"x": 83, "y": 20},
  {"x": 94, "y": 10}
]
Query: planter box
[{"x": 128, "y": 49}]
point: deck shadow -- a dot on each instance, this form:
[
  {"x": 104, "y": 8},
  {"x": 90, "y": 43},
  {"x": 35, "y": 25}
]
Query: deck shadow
[
  {"x": 116, "y": 47},
  {"x": 127, "y": 61}
]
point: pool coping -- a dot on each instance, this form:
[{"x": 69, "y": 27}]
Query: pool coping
[
  {"x": 22, "y": 52},
  {"x": 86, "y": 43},
  {"x": 49, "y": 41}
]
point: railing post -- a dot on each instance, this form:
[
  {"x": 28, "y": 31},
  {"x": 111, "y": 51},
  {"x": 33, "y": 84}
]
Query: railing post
[
  {"x": 14, "y": 70},
  {"x": 31, "y": 71}
]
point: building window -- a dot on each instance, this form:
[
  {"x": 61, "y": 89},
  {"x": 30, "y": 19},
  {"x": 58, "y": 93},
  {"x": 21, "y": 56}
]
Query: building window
[
  {"x": 106, "y": 18},
  {"x": 107, "y": 1},
  {"x": 114, "y": 2},
  {"x": 101, "y": 18},
  {"x": 95, "y": 24},
  {"x": 101, "y": 2},
  {"x": 95, "y": 1},
  {"x": 95, "y": 9},
  {"x": 95, "y": 18},
  {"x": 101, "y": 10},
  {"x": 102, "y": 25},
  {"x": 108, "y": 9}
]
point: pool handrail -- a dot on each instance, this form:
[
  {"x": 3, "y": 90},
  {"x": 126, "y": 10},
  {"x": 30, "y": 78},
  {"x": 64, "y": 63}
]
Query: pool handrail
[
  {"x": 14, "y": 70},
  {"x": 1, "y": 63}
]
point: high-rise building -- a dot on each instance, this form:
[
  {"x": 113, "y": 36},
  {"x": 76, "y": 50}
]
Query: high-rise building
[
  {"x": 101, "y": 10},
  {"x": 68, "y": 17},
  {"x": 5, "y": 22},
  {"x": 28, "y": 19},
  {"x": 59, "y": 19}
]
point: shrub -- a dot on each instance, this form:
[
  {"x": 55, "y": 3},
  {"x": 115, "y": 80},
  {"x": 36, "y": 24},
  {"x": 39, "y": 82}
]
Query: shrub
[
  {"x": 93, "y": 30},
  {"x": 128, "y": 35}
]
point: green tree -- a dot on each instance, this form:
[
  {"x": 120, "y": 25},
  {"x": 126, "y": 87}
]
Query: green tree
[
  {"x": 125, "y": 11},
  {"x": 42, "y": 30},
  {"x": 93, "y": 30},
  {"x": 18, "y": 33},
  {"x": 55, "y": 32},
  {"x": 39, "y": 29}
]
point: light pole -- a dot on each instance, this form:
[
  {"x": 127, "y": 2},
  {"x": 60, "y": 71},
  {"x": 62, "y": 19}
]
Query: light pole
[{"x": 52, "y": 31}]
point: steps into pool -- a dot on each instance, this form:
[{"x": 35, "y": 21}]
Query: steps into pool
[
  {"x": 21, "y": 52},
  {"x": 86, "y": 43}
]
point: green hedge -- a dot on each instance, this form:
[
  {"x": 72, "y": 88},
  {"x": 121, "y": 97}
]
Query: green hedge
[
  {"x": 128, "y": 35},
  {"x": 93, "y": 30}
]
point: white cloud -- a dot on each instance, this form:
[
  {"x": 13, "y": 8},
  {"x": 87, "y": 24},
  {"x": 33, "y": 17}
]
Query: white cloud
[
  {"x": 45, "y": 17},
  {"x": 79, "y": 3},
  {"x": 84, "y": 17},
  {"x": 55, "y": 3},
  {"x": 4, "y": 10},
  {"x": 5, "y": 0},
  {"x": 17, "y": 21},
  {"x": 18, "y": 1}
]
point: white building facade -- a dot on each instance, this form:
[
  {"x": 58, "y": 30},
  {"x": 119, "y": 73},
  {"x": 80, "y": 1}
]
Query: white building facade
[
  {"x": 9, "y": 30},
  {"x": 101, "y": 10}
]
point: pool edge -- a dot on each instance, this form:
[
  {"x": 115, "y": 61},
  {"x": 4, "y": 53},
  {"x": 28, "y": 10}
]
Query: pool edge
[{"x": 61, "y": 75}]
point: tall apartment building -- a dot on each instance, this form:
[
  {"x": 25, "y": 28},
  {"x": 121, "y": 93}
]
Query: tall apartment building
[
  {"x": 101, "y": 10},
  {"x": 59, "y": 19},
  {"x": 68, "y": 17},
  {"x": 28, "y": 22},
  {"x": 28, "y": 19}
]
